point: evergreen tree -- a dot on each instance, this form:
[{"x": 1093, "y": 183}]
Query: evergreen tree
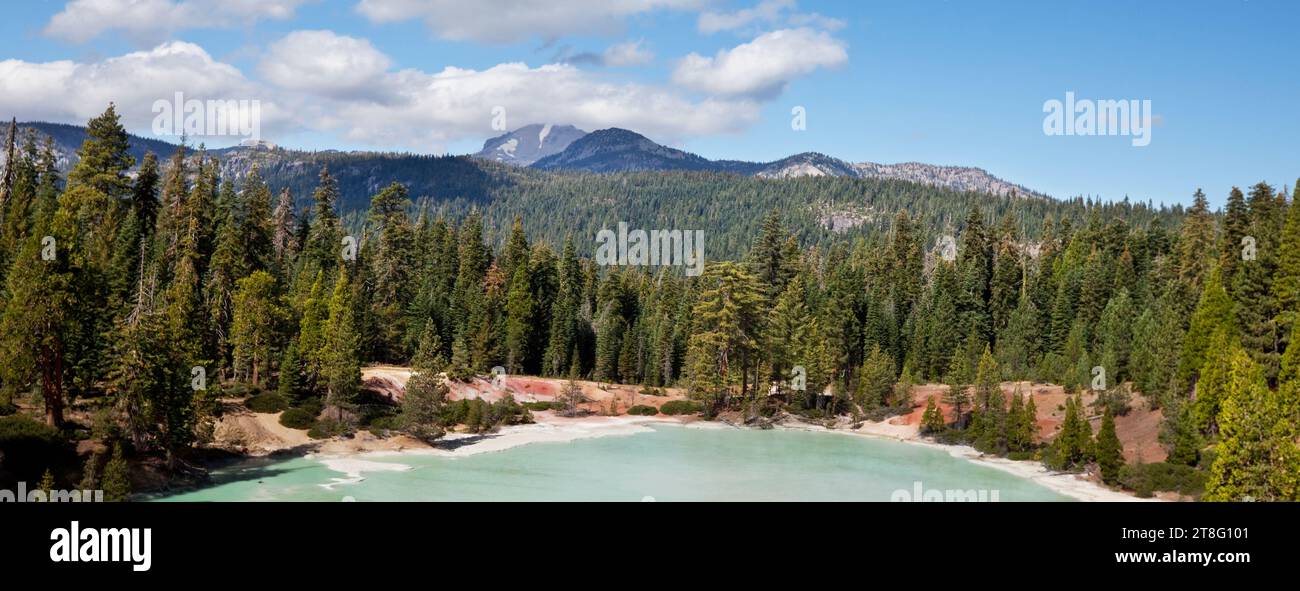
[
  {"x": 340, "y": 367},
  {"x": 117, "y": 481},
  {"x": 932, "y": 419},
  {"x": 1257, "y": 454},
  {"x": 253, "y": 332},
  {"x": 875, "y": 380},
  {"x": 519, "y": 319},
  {"x": 1110, "y": 453}
]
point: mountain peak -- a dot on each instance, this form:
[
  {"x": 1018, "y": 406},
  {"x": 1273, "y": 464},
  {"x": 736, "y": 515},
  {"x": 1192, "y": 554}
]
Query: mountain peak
[{"x": 529, "y": 143}]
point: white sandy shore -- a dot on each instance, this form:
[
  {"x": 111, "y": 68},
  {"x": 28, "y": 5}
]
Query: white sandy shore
[
  {"x": 554, "y": 429},
  {"x": 1070, "y": 485}
]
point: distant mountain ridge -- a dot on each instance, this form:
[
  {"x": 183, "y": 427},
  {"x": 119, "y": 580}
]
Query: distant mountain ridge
[
  {"x": 620, "y": 150},
  {"x": 541, "y": 147}
]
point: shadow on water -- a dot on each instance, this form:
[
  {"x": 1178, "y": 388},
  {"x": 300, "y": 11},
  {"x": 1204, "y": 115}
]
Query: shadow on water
[{"x": 454, "y": 444}]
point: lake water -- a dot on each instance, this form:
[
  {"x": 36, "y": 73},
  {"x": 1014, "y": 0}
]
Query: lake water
[{"x": 669, "y": 463}]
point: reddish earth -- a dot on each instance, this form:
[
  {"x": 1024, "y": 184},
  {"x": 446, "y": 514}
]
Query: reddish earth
[
  {"x": 391, "y": 381},
  {"x": 1138, "y": 431}
]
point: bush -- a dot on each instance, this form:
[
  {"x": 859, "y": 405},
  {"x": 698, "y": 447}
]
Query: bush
[
  {"x": 644, "y": 410},
  {"x": 313, "y": 405},
  {"x": 327, "y": 428},
  {"x": 681, "y": 407},
  {"x": 381, "y": 426},
  {"x": 1162, "y": 476},
  {"x": 237, "y": 390},
  {"x": 652, "y": 391},
  {"x": 29, "y": 447},
  {"x": 267, "y": 403},
  {"x": 544, "y": 405},
  {"x": 297, "y": 418},
  {"x": 7, "y": 408}
]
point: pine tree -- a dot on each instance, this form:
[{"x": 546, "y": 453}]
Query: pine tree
[
  {"x": 426, "y": 394},
  {"x": 117, "y": 481},
  {"x": 324, "y": 236},
  {"x": 1183, "y": 437},
  {"x": 1196, "y": 244},
  {"x": 875, "y": 380},
  {"x": 932, "y": 419},
  {"x": 1020, "y": 426},
  {"x": 290, "y": 379},
  {"x": 144, "y": 195},
  {"x": 256, "y": 317},
  {"x": 1236, "y": 225},
  {"x": 340, "y": 367},
  {"x": 1213, "y": 316},
  {"x": 46, "y": 484},
  {"x": 1110, "y": 453},
  {"x": 105, "y": 157},
  {"x": 990, "y": 419},
  {"x": 519, "y": 319},
  {"x": 33, "y": 328},
  {"x": 1257, "y": 454}
]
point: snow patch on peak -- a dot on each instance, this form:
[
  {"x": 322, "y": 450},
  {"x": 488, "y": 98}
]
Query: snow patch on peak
[
  {"x": 541, "y": 137},
  {"x": 508, "y": 148}
]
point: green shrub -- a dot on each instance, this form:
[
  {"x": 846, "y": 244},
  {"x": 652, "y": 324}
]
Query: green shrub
[
  {"x": 313, "y": 405},
  {"x": 381, "y": 426},
  {"x": 543, "y": 405},
  {"x": 652, "y": 391},
  {"x": 297, "y": 418},
  {"x": 237, "y": 390},
  {"x": 1162, "y": 476},
  {"x": 327, "y": 428},
  {"x": 681, "y": 407},
  {"x": 7, "y": 407},
  {"x": 644, "y": 410},
  {"x": 29, "y": 447},
  {"x": 267, "y": 403}
]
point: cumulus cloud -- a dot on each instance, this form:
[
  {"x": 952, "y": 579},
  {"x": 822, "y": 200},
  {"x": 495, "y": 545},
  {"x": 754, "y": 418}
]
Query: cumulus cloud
[
  {"x": 767, "y": 12},
  {"x": 415, "y": 110},
  {"x": 460, "y": 103},
  {"x": 631, "y": 53},
  {"x": 506, "y": 21},
  {"x": 74, "y": 92},
  {"x": 761, "y": 68},
  {"x": 154, "y": 20},
  {"x": 325, "y": 63}
]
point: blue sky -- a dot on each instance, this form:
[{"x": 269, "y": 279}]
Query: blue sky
[{"x": 944, "y": 82}]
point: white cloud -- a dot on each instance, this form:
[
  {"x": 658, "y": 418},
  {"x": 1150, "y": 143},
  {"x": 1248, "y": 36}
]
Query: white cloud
[
  {"x": 73, "y": 92},
  {"x": 155, "y": 20},
  {"x": 458, "y": 103},
  {"x": 324, "y": 63},
  {"x": 506, "y": 21},
  {"x": 627, "y": 54},
  {"x": 761, "y": 68},
  {"x": 412, "y": 109},
  {"x": 767, "y": 12}
]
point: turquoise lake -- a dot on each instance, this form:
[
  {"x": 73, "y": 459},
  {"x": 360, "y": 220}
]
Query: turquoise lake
[{"x": 670, "y": 463}]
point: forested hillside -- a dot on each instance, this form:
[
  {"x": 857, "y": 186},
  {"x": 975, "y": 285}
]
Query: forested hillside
[{"x": 141, "y": 299}]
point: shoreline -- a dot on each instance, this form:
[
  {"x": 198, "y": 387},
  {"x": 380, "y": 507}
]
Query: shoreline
[{"x": 347, "y": 456}]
